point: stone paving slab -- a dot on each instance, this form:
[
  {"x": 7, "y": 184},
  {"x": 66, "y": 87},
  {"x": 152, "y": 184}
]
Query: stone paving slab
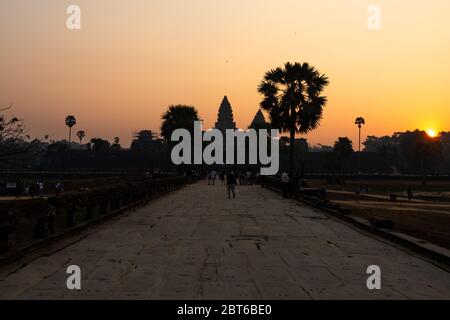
[{"x": 197, "y": 244}]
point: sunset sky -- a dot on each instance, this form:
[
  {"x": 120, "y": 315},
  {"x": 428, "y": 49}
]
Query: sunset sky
[{"x": 133, "y": 58}]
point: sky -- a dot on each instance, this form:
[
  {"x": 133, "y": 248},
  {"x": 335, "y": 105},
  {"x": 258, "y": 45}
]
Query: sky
[{"x": 133, "y": 58}]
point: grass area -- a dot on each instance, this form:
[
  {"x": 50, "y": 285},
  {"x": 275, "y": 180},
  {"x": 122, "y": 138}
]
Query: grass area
[{"x": 426, "y": 220}]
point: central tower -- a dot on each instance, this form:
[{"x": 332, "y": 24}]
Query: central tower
[{"x": 225, "y": 119}]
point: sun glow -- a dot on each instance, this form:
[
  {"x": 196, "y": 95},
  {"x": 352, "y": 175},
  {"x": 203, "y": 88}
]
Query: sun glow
[{"x": 432, "y": 133}]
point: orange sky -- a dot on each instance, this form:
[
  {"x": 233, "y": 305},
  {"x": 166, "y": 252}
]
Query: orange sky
[{"x": 133, "y": 58}]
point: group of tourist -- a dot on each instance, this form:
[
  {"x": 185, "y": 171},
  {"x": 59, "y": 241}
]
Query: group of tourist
[
  {"x": 190, "y": 177},
  {"x": 35, "y": 189},
  {"x": 29, "y": 189},
  {"x": 242, "y": 178},
  {"x": 231, "y": 180}
]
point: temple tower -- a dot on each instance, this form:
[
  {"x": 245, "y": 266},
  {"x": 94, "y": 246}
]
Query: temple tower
[
  {"x": 259, "y": 121},
  {"x": 225, "y": 119}
]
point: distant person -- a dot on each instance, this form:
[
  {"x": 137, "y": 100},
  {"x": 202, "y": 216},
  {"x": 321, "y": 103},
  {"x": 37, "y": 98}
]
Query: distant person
[
  {"x": 59, "y": 188},
  {"x": 213, "y": 177},
  {"x": 41, "y": 188},
  {"x": 304, "y": 184},
  {"x": 359, "y": 190},
  {"x": 19, "y": 189},
  {"x": 298, "y": 181},
  {"x": 231, "y": 184},
  {"x": 241, "y": 178},
  {"x": 285, "y": 184},
  {"x": 27, "y": 190},
  {"x": 257, "y": 178},
  {"x": 188, "y": 175},
  {"x": 194, "y": 176},
  {"x": 222, "y": 177},
  {"x": 410, "y": 194},
  {"x": 323, "y": 192},
  {"x": 33, "y": 188},
  {"x": 248, "y": 178},
  {"x": 209, "y": 178},
  {"x": 186, "y": 179}
]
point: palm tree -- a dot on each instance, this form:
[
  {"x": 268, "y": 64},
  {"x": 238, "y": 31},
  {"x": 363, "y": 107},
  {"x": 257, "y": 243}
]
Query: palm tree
[
  {"x": 360, "y": 122},
  {"x": 70, "y": 122},
  {"x": 292, "y": 97},
  {"x": 343, "y": 148},
  {"x": 81, "y": 135},
  {"x": 178, "y": 117}
]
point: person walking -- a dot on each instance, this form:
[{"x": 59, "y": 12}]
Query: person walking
[
  {"x": 241, "y": 178},
  {"x": 41, "y": 189},
  {"x": 285, "y": 184},
  {"x": 410, "y": 194},
  {"x": 33, "y": 188},
  {"x": 222, "y": 178},
  {"x": 257, "y": 178},
  {"x": 187, "y": 178},
  {"x": 19, "y": 189},
  {"x": 248, "y": 179},
  {"x": 231, "y": 184},
  {"x": 59, "y": 188},
  {"x": 213, "y": 177}
]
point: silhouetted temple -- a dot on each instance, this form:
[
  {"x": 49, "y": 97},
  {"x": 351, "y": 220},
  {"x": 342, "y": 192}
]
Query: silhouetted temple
[
  {"x": 225, "y": 119},
  {"x": 396, "y": 154},
  {"x": 259, "y": 121}
]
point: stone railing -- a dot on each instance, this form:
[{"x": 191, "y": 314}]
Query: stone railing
[{"x": 24, "y": 224}]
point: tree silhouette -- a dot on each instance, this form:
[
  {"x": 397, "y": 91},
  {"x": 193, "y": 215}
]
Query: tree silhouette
[
  {"x": 70, "y": 122},
  {"x": 178, "y": 117},
  {"x": 360, "y": 122},
  {"x": 81, "y": 135},
  {"x": 100, "y": 145},
  {"x": 11, "y": 127},
  {"x": 343, "y": 147},
  {"x": 429, "y": 151},
  {"x": 420, "y": 152},
  {"x": 292, "y": 97},
  {"x": 13, "y": 136}
]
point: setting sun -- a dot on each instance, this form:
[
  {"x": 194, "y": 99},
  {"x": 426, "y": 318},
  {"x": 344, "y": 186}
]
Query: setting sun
[{"x": 432, "y": 133}]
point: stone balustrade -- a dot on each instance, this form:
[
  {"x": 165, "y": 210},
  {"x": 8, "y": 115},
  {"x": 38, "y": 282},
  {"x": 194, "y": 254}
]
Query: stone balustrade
[{"x": 25, "y": 223}]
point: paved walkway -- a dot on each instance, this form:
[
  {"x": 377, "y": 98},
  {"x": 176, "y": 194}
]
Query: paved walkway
[{"x": 196, "y": 244}]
